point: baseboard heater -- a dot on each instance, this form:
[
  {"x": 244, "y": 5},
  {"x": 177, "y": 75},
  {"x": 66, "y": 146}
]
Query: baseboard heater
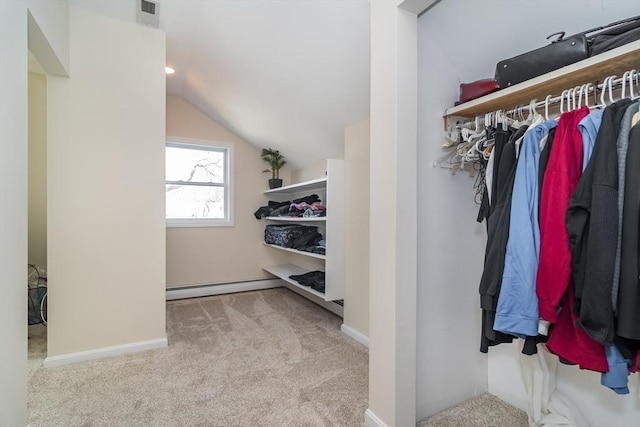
[{"x": 196, "y": 291}]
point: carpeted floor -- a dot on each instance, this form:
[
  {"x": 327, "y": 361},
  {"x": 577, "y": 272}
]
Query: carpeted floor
[
  {"x": 482, "y": 411},
  {"x": 266, "y": 358}
]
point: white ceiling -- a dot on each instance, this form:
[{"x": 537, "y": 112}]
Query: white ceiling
[{"x": 288, "y": 75}]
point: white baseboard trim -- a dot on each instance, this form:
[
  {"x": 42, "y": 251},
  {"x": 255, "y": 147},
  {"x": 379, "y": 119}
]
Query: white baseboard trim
[
  {"x": 372, "y": 420},
  {"x": 358, "y": 336},
  {"x": 226, "y": 288},
  {"x": 101, "y": 353}
]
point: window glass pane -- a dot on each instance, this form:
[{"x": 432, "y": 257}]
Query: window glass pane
[
  {"x": 193, "y": 165},
  {"x": 193, "y": 201}
]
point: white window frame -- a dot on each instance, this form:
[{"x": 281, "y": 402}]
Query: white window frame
[{"x": 227, "y": 148}]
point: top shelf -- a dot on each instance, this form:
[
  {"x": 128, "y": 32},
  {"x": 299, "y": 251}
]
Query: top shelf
[
  {"x": 314, "y": 184},
  {"x": 614, "y": 62}
]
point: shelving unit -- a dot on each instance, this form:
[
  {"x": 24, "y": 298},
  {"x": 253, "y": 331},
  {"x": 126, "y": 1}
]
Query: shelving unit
[
  {"x": 306, "y": 186},
  {"x": 614, "y": 62},
  {"x": 295, "y": 251},
  {"x": 330, "y": 189},
  {"x": 296, "y": 219}
]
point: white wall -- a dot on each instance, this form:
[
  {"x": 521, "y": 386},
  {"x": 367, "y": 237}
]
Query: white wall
[
  {"x": 37, "y": 243},
  {"x": 216, "y": 255},
  {"x": 499, "y": 32},
  {"x": 13, "y": 214},
  {"x": 14, "y": 27},
  {"x": 450, "y": 252},
  {"x": 357, "y": 194},
  {"x": 106, "y": 231},
  {"x": 392, "y": 268},
  {"x": 314, "y": 170},
  {"x": 448, "y": 58}
]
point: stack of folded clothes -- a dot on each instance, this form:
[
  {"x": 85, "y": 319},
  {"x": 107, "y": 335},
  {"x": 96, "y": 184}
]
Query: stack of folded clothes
[
  {"x": 303, "y": 207},
  {"x": 312, "y": 279}
]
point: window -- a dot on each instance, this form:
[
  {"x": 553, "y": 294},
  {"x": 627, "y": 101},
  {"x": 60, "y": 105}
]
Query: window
[{"x": 198, "y": 184}]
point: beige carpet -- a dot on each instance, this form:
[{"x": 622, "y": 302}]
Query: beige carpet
[
  {"x": 266, "y": 358},
  {"x": 482, "y": 411}
]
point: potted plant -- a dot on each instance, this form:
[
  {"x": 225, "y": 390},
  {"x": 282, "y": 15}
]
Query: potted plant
[{"x": 276, "y": 161}]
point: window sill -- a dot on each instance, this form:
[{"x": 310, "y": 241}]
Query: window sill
[{"x": 198, "y": 223}]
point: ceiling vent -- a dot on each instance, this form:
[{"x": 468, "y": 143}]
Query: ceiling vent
[{"x": 147, "y": 13}]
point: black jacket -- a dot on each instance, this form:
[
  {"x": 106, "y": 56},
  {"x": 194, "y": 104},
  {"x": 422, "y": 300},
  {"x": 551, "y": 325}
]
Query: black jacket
[
  {"x": 592, "y": 225},
  {"x": 628, "y": 325},
  {"x": 497, "y": 236}
]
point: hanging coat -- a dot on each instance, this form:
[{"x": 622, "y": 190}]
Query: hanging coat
[
  {"x": 592, "y": 225},
  {"x": 561, "y": 178},
  {"x": 517, "y": 311},
  {"x": 628, "y": 325}
]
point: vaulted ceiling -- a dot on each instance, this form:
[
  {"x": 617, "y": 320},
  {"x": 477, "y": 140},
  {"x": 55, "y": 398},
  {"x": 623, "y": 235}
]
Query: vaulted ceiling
[{"x": 288, "y": 75}]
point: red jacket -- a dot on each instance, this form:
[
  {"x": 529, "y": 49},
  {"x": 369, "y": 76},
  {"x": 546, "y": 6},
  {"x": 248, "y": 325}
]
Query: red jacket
[
  {"x": 553, "y": 282},
  {"x": 560, "y": 180}
]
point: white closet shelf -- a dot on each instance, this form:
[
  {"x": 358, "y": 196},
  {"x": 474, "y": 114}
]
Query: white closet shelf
[
  {"x": 295, "y": 251},
  {"x": 614, "y": 62},
  {"x": 285, "y": 270},
  {"x": 311, "y": 185},
  {"x": 296, "y": 219}
]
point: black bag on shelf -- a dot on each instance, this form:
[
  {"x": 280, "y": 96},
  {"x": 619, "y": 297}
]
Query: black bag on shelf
[
  {"x": 614, "y": 37},
  {"x": 532, "y": 64},
  {"x": 566, "y": 51},
  {"x": 289, "y": 235}
]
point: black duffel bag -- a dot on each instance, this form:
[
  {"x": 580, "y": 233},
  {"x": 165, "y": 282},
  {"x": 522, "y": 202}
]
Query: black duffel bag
[{"x": 564, "y": 51}]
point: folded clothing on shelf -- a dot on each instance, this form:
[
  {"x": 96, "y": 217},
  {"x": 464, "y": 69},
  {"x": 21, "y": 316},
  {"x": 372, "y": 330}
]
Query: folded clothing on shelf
[
  {"x": 313, "y": 279},
  {"x": 294, "y": 236},
  {"x": 284, "y": 208}
]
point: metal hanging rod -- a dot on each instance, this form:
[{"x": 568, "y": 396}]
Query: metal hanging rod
[{"x": 572, "y": 98}]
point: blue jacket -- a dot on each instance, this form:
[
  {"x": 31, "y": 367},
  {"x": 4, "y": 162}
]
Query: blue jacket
[
  {"x": 517, "y": 312},
  {"x": 588, "y": 128}
]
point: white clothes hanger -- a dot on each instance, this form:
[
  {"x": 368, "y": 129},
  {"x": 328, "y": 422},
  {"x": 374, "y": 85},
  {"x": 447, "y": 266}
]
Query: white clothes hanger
[
  {"x": 546, "y": 107},
  {"x": 580, "y": 94},
  {"x": 532, "y": 114},
  {"x": 504, "y": 120},
  {"x": 587, "y": 90},
  {"x": 623, "y": 91},
  {"x": 610, "y": 87},
  {"x": 603, "y": 103},
  {"x": 562, "y": 96},
  {"x": 633, "y": 75}
]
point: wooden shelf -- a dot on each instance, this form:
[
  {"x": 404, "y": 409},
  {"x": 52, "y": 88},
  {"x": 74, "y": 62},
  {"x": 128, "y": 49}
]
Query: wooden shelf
[
  {"x": 284, "y": 271},
  {"x": 311, "y": 185},
  {"x": 297, "y": 219},
  {"x": 295, "y": 251},
  {"x": 614, "y": 62}
]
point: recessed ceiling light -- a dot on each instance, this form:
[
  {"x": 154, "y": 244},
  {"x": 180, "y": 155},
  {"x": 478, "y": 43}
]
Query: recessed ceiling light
[{"x": 169, "y": 70}]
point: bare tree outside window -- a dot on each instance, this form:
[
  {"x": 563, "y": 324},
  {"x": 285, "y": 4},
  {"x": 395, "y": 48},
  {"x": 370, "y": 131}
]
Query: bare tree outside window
[{"x": 196, "y": 183}]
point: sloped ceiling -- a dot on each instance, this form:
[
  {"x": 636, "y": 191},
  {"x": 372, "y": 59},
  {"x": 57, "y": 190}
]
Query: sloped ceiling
[{"x": 288, "y": 75}]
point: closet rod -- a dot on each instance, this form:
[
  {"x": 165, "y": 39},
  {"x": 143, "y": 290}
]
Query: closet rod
[{"x": 568, "y": 95}]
